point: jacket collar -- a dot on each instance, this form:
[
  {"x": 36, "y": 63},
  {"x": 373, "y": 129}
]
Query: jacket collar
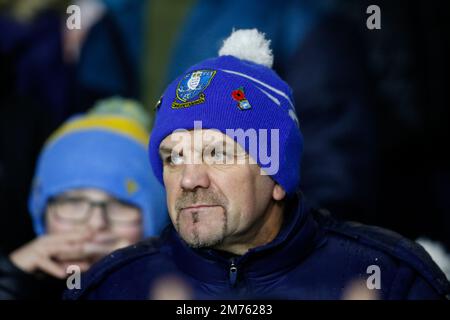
[{"x": 298, "y": 236}]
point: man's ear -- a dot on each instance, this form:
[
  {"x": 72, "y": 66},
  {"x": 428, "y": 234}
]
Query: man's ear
[{"x": 278, "y": 192}]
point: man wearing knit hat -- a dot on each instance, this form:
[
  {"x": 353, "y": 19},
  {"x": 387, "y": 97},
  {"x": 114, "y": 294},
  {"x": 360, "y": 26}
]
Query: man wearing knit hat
[
  {"x": 227, "y": 146},
  {"x": 93, "y": 192}
]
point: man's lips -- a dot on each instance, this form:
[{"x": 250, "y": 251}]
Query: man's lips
[{"x": 199, "y": 206}]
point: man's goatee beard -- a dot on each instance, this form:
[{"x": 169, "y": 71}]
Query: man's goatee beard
[{"x": 198, "y": 243}]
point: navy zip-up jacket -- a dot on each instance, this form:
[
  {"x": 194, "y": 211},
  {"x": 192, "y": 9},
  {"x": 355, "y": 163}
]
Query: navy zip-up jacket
[{"x": 313, "y": 257}]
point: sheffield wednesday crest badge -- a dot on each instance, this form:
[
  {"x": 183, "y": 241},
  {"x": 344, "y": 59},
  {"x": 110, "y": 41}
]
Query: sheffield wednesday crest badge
[{"x": 190, "y": 88}]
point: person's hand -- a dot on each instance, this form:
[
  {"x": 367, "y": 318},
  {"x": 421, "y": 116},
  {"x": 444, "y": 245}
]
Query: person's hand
[
  {"x": 51, "y": 253},
  {"x": 95, "y": 248},
  {"x": 102, "y": 244}
]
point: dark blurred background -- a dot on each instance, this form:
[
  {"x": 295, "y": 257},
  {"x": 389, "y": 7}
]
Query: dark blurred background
[{"x": 373, "y": 104}]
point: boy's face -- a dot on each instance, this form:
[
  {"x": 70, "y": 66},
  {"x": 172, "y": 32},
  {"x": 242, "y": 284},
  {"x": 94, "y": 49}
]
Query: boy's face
[{"x": 95, "y": 210}]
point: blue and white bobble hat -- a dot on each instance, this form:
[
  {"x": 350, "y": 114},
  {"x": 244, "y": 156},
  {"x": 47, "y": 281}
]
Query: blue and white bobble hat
[{"x": 237, "y": 90}]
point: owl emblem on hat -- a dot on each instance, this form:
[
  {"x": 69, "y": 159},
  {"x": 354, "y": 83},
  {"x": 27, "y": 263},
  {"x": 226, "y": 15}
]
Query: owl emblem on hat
[{"x": 193, "y": 84}]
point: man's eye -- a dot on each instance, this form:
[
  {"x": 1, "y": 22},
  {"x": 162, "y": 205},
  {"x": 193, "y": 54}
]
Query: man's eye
[
  {"x": 216, "y": 156},
  {"x": 174, "y": 160},
  {"x": 219, "y": 156}
]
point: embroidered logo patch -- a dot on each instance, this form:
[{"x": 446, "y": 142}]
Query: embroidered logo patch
[
  {"x": 190, "y": 89},
  {"x": 239, "y": 96}
]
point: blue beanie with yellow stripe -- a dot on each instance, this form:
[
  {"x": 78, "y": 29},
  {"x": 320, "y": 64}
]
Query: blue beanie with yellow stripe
[{"x": 104, "y": 149}]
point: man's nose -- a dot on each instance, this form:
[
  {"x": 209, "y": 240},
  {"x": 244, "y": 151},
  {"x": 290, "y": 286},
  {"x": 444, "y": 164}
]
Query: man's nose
[
  {"x": 98, "y": 220},
  {"x": 194, "y": 175}
]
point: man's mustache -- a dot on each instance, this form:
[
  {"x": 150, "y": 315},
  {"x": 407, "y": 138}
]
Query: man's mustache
[{"x": 200, "y": 197}]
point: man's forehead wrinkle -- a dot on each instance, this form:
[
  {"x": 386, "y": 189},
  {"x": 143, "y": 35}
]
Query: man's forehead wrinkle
[
  {"x": 172, "y": 141},
  {"x": 193, "y": 139}
]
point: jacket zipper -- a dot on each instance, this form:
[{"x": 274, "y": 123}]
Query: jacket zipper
[{"x": 233, "y": 273}]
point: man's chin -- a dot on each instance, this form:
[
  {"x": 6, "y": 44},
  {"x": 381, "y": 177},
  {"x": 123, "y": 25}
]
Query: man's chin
[
  {"x": 201, "y": 230},
  {"x": 196, "y": 241}
]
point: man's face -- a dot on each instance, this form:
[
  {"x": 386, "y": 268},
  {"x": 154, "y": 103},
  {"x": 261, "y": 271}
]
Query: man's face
[{"x": 215, "y": 197}]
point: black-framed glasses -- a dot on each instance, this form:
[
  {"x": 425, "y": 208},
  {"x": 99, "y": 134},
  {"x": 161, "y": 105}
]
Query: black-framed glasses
[{"x": 79, "y": 210}]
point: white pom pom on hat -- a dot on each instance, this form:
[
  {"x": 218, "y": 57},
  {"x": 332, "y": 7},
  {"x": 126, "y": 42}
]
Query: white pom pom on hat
[{"x": 250, "y": 45}]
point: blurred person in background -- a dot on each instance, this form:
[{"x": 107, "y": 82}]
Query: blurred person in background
[
  {"x": 38, "y": 91},
  {"x": 93, "y": 192}
]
